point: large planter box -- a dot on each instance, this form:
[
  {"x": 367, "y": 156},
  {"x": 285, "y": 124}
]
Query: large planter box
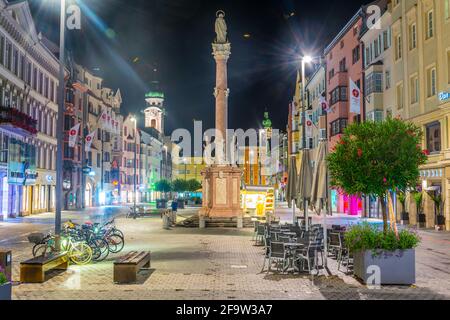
[
  {"x": 5, "y": 292},
  {"x": 396, "y": 267}
]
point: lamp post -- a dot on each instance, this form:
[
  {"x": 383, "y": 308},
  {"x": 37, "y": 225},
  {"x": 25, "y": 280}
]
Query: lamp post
[
  {"x": 60, "y": 127},
  {"x": 133, "y": 119},
  {"x": 305, "y": 60},
  {"x": 185, "y": 169}
]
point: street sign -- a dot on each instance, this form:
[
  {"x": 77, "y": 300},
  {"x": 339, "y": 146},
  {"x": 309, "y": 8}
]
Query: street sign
[{"x": 87, "y": 170}]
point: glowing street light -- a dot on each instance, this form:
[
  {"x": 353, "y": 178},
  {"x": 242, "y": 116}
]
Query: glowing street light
[{"x": 134, "y": 119}]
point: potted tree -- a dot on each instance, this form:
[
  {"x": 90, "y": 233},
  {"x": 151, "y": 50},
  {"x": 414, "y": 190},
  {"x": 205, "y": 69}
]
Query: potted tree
[
  {"x": 376, "y": 158},
  {"x": 5, "y": 286},
  {"x": 180, "y": 186},
  {"x": 163, "y": 187},
  {"x": 401, "y": 196},
  {"x": 421, "y": 217},
  {"x": 438, "y": 210}
]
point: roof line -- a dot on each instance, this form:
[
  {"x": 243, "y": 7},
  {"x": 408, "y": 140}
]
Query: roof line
[{"x": 343, "y": 31}]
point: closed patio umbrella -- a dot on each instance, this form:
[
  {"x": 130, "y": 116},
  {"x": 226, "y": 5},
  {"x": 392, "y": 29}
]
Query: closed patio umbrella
[
  {"x": 319, "y": 190},
  {"x": 291, "y": 189},
  {"x": 304, "y": 184}
]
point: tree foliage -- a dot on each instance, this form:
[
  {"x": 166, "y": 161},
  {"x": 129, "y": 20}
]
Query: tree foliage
[
  {"x": 193, "y": 185},
  {"x": 179, "y": 185},
  {"x": 375, "y": 157},
  {"x": 163, "y": 186}
]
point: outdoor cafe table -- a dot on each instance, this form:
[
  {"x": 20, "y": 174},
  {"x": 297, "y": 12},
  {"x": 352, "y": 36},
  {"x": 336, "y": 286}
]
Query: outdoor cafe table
[{"x": 292, "y": 247}]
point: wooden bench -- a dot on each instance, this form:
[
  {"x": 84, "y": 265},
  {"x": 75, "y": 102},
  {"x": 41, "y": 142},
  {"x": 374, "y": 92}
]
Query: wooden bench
[
  {"x": 127, "y": 267},
  {"x": 33, "y": 270}
]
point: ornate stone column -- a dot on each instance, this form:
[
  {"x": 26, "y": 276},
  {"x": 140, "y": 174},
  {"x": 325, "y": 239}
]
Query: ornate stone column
[{"x": 221, "y": 53}]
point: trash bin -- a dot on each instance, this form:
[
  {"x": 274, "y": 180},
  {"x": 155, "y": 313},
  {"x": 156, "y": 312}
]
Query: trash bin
[
  {"x": 6, "y": 262},
  {"x": 166, "y": 221}
]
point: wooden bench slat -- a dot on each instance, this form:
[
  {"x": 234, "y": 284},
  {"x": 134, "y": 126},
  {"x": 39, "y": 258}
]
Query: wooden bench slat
[
  {"x": 126, "y": 269},
  {"x": 44, "y": 259}
]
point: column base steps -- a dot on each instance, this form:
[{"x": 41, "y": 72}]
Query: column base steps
[{"x": 193, "y": 222}]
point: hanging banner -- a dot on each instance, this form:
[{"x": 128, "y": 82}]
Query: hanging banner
[
  {"x": 309, "y": 125},
  {"x": 89, "y": 140},
  {"x": 73, "y": 134},
  {"x": 355, "y": 98},
  {"x": 324, "y": 104},
  {"x": 102, "y": 120}
]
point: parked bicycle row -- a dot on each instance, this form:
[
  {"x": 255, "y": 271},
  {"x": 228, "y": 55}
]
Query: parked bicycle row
[{"x": 82, "y": 243}]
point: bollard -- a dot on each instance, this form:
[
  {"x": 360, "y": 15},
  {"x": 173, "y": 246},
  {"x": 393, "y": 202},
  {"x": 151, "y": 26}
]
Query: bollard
[
  {"x": 240, "y": 223},
  {"x": 202, "y": 222},
  {"x": 166, "y": 222}
]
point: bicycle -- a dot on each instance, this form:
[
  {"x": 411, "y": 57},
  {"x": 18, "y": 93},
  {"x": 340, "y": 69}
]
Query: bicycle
[{"x": 78, "y": 252}]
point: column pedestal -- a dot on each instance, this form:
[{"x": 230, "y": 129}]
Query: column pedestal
[{"x": 221, "y": 192}]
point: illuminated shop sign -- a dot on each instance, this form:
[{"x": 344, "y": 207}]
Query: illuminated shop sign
[{"x": 444, "y": 96}]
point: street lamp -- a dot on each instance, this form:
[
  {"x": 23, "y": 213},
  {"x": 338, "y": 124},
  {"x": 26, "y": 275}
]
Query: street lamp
[
  {"x": 185, "y": 169},
  {"x": 133, "y": 119},
  {"x": 305, "y": 60},
  {"x": 60, "y": 127}
]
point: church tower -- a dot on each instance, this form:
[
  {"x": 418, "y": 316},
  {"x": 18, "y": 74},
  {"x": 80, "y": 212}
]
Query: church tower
[{"x": 154, "y": 112}]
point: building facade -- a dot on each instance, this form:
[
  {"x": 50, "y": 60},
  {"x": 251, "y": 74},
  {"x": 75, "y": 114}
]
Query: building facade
[
  {"x": 421, "y": 78},
  {"x": 28, "y": 85}
]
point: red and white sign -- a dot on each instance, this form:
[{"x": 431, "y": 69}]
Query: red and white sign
[
  {"x": 324, "y": 104},
  {"x": 89, "y": 140},
  {"x": 309, "y": 125},
  {"x": 73, "y": 134},
  {"x": 355, "y": 98}
]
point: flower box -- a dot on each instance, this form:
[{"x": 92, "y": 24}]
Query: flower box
[
  {"x": 5, "y": 291},
  {"x": 395, "y": 267}
]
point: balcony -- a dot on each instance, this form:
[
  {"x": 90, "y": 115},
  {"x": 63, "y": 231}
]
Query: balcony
[{"x": 17, "y": 122}]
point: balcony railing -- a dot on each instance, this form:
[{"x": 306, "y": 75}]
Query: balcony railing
[{"x": 18, "y": 121}]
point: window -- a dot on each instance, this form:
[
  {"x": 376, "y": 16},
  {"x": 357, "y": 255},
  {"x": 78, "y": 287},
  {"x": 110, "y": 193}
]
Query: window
[
  {"x": 448, "y": 66},
  {"x": 98, "y": 160},
  {"x": 342, "y": 44},
  {"x": 376, "y": 116},
  {"x": 400, "y": 96},
  {"x": 387, "y": 39},
  {"x": 2, "y": 50},
  {"x": 414, "y": 89},
  {"x": 355, "y": 31},
  {"x": 388, "y": 79},
  {"x": 338, "y": 126},
  {"x": 338, "y": 94},
  {"x": 68, "y": 152},
  {"x": 69, "y": 122},
  {"x": 342, "y": 65},
  {"x": 331, "y": 74},
  {"x": 430, "y": 24},
  {"x": 374, "y": 83},
  {"x": 8, "y": 55},
  {"x": 35, "y": 79},
  {"x": 431, "y": 82},
  {"x": 377, "y": 48},
  {"x": 412, "y": 36},
  {"x": 434, "y": 137},
  {"x": 398, "y": 47},
  {"x": 447, "y": 9},
  {"x": 356, "y": 54}
]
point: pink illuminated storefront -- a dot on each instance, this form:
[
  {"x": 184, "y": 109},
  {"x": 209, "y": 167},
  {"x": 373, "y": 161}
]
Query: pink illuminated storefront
[{"x": 345, "y": 204}]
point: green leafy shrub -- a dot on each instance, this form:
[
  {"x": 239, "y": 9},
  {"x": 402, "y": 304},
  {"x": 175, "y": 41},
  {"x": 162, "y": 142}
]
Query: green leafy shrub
[
  {"x": 363, "y": 237},
  {"x": 3, "y": 279}
]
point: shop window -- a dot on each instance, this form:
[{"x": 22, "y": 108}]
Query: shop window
[{"x": 434, "y": 137}]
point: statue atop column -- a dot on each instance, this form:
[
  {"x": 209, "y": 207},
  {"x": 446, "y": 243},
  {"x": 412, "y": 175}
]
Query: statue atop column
[{"x": 221, "y": 28}]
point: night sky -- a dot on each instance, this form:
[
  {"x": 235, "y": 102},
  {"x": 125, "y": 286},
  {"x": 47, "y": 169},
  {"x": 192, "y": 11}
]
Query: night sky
[{"x": 125, "y": 41}]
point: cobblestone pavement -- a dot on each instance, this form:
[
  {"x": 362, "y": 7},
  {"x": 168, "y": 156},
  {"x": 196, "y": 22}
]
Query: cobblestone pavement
[{"x": 221, "y": 264}]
